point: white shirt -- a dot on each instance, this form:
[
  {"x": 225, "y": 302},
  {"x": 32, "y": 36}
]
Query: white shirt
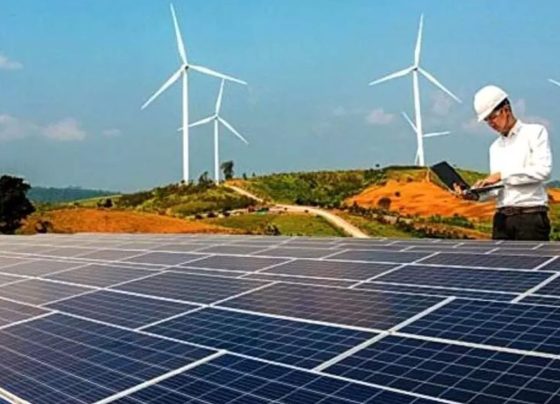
[{"x": 524, "y": 160}]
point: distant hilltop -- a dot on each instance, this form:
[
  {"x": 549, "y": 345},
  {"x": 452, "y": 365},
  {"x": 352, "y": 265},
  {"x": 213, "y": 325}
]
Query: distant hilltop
[{"x": 58, "y": 195}]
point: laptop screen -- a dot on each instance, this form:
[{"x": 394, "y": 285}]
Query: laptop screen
[{"x": 448, "y": 175}]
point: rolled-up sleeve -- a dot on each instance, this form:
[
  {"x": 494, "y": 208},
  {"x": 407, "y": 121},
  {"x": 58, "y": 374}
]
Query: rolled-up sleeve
[{"x": 540, "y": 166}]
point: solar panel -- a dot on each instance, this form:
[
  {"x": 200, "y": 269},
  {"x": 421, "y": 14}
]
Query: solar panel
[
  {"x": 236, "y": 263},
  {"x": 34, "y": 291},
  {"x": 331, "y": 269},
  {"x": 487, "y": 260},
  {"x": 190, "y": 288},
  {"x": 11, "y": 312},
  {"x": 100, "y": 275},
  {"x": 173, "y": 318},
  {"x": 379, "y": 256},
  {"x": 60, "y": 359},
  {"x": 237, "y": 380},
  {"x": 466, "y": 278},
  {"x": 453, "y": 372},
  {"x": 368, "y": 309},
  {"x": 285, "y": 341},
  {"x": 163, "y": 258},
  {"x": 39, "y": 267},
  {"x": 519, "y": 326},
  {"x": 121, "y": 309},
  {"x": 438, "y": 291}
]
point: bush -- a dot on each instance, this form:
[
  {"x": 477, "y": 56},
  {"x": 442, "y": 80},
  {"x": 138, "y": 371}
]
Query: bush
[{"x": 384, "y": 203}]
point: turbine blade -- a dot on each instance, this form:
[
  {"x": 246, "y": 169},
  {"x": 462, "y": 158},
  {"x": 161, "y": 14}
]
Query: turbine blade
[
  {"x": 434, "y": 134},
  {"x": 211, "y": 72},
  {"x": 202, "y": 121},
  {"x": 219, "y": 100},
  {"x": 165, "y": 86},
  {"x": 232, "y": 129},
  {"x": 438, "y": 84},
  {"x": 554, "y": 82},
  {"x": 409, "y": 121},
  {"x": 180, "y": 44},
  {"x": 418, "y": 42},
  {"x": 391, "y": 76}
]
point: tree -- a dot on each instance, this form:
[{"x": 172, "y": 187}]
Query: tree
[
  {"x": 14, "y": 205},
  {"x": 227, "y": 169}
]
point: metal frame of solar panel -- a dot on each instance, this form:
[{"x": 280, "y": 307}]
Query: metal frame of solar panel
[{"x": 154, "y": 318}]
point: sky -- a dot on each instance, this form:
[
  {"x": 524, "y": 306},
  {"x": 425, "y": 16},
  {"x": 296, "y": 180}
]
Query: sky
[{"x": 73, "y": 75}]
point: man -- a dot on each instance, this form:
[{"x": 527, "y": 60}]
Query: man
[{"x": 520, "y": 160}]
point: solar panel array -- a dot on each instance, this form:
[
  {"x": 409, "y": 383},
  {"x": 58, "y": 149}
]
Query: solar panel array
[{"x": 92, "y": 318}]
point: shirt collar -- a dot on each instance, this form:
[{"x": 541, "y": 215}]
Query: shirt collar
[{"x": 515, "y": 130}]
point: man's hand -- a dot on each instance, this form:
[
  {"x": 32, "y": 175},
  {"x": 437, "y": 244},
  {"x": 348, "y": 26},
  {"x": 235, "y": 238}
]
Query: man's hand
[
  {"x": 490, "y": 180},
  {"x": 459, "y": 192}
]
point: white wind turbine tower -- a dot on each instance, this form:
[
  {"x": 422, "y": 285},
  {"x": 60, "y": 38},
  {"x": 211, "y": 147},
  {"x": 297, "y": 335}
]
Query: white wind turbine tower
[
  {"x": 554, "y": 82},
  {"x": 415, "y": 69},
  {"x": 217, "y": 119},
  {"x": 426, "y": 135},
  {"x": 182, "y": 72}
]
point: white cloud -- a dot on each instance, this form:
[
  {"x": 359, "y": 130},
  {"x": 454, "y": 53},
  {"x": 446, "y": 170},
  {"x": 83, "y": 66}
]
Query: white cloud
[
  {"x": 441, "y": 103},
  {"x": 67, "y": 129},
  {"x": 113, "y": 132},
  {"x": 379, "y": 117},
  {"x": 12, "y": 128},
  {"x": 7, "y": 64}
]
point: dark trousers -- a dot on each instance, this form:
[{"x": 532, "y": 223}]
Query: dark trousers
[{"x": 524, "y": 226}]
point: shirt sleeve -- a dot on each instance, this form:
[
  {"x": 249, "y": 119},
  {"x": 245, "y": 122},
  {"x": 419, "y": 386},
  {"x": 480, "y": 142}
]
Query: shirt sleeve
[{"x": 541, "y": 163}]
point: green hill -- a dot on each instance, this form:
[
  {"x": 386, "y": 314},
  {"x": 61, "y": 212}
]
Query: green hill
[{"x": 59, "y": 195}]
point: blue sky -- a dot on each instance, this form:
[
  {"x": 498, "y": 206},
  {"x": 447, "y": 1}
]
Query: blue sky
[{"x": 73, "y": 75}]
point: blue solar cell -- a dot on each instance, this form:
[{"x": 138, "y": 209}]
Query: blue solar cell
[
  {"x": 164, "y": 258},
  {"x": 551, "y": 289},
  {"x": 296, "y": 252},
  {"x": 295, "y": 343},
  {"x": 121, "y": 309},
  {"x": 100, "y": 275},
  {"x": 236, "y": 263},
  {"x": 234, "y": 380},
  {"x": 466, "y": 278},
  {"x": 331, "y": 269},
  {"x": 520, "y": 326},
  {"x": 454, "y": 372},
  {"x": 335, "y": 305},
  {"x": 440, "y": 291},
  {"x": 379, "y": 256},
  {"x": 11, "y": 312},
  {"x": 543, "y": 300},
  {"x": 487, "y": 260},
  {"x": 263, "y": 276},
  {"x": 190, "y": 288},
  {"x": 60, "y": 359},
  {"x": 39, "y": 267},
  {"x": 36, "y": 291}
]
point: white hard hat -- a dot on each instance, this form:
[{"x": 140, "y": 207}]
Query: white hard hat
[{"x": 487, "y": 99}]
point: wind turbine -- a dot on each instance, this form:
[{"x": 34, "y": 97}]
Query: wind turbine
[
  {"x": 182, "y": 72},
  {"x": 415, "y": 69},
  {"x": 554, "y": 82},
  {"x": 217, "y": 119},
  {"x": 426, "y": 135}
]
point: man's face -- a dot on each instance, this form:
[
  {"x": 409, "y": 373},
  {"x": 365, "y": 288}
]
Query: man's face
[{"x": 498, "y": 119}]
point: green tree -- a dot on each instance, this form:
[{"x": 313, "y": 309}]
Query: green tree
[
  {"x": 227, "y": 169},
  {"x": 14, "y": 205}
]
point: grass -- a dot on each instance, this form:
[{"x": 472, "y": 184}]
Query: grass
[
  {"x": 287, "y": 224},
  {"x": 374, "y": 228}
]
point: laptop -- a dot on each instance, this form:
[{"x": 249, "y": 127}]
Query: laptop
[{"x": 449, "y": 176}]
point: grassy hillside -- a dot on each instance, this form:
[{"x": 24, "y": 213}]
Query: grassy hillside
[{"x": 58, "y": 195}]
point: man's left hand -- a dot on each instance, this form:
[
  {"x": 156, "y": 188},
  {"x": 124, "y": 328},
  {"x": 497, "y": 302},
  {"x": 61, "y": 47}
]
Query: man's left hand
[{"x": 490, "y": 180}]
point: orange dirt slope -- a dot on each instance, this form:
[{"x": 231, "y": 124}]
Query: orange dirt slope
[
  {"x": 113, "y": 221},
  {"x": 422, "y": 198}
]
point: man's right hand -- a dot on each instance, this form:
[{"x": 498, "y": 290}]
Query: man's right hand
[{"x": 463, "y": 194}]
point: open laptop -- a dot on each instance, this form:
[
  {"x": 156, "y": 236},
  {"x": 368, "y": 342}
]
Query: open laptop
[{"x": 449, "y": 176}]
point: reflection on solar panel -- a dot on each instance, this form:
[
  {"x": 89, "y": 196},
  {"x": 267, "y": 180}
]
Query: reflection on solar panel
[
  {"x": 367, "y": 309},
  {"x": 251, "y": 319},
  {"x": 285, "y": 341}
]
